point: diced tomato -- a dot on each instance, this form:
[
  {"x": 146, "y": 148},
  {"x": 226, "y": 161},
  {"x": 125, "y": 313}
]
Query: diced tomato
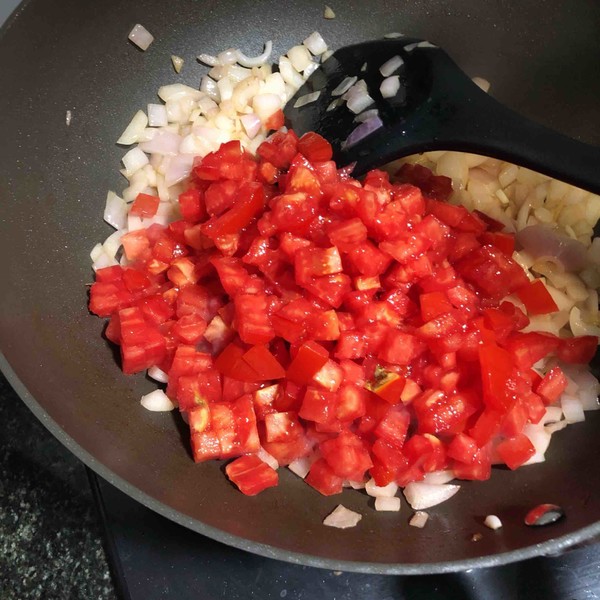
[
  {"x": 577, "y": 350},
  {"x": 394, "y": 426},
  {"x": 275, "y": 121},
  {"x": 401, "y": 348},
  {"x": 282, "y": 426},
  {"x": 263, "y": 363},
  {"x": 552, "y": 385},
  {"x": 323, "y": 479},
  {"x": 486, "y": 427},
  {"x": 253, "y": 321},
  {"x": 536, "y": 298},
  {"x": 463, "y": 448},
  {"x": 251, "y": 475},
  {"x": 515, "y": 451},
  {"x": 505, "y": 242},
  {"x": 311, "y": 357},
  {"x": 144, "y": 206},
  {"x": 191, "y": 205},
  {"x": 497, "y": 372},
  {"x": 315, "y": 147},
  {"x": 318, "y": 405},
  {"x": 529, "y": 348},
  {"x": 347, "y": 456}
]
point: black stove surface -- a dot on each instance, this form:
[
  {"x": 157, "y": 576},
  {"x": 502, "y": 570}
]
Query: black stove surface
[{"x": 153, "y": 558}]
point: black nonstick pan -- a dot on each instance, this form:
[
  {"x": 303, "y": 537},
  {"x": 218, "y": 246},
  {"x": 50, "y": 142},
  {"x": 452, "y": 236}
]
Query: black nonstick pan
[{"x": 57, "y": 55}]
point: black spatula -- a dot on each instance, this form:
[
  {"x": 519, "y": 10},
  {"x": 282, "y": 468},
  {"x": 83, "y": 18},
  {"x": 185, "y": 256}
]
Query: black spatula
[{"x": 437, "y": 107}]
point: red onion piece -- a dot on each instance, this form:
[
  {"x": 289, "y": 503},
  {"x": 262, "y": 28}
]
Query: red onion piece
[
  {"x": 362, "y": 131},
  {"x": 541, "y": 241}
]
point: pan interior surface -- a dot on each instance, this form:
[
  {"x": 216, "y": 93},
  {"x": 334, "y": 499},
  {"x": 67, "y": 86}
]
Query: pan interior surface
[{"x": 59, "y": 55}]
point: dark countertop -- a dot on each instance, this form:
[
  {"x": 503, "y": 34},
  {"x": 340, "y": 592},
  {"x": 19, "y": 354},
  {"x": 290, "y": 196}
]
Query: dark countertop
[{"x": 50, "y": 533}]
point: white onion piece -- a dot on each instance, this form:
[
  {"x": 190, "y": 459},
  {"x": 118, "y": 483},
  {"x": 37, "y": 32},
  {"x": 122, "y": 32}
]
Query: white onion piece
[
  {"x": 587, "y": 386},
  {"x": 328, "y": 13},
  {"x": 289, "y": 74},
  {"x": 393, "y": 35},
  {"x": 157, "y": 401},
  {"x": 300, "y": 466},
  {"x": 358, "y": 102},
  {"x": 310, "y": 69},
  {"x": 493, "y": 522},
  {"x": 135, "y": 223},
  {"x": 112, "y": 243},
  {"x": 225, "y": 86},
  {"x": 227, "y": 57},
  {"x": 362, "y": 131},
  {"x": 177, "y": 91},
  {"x": 579, "y": 326},
  {"x": 299, "y": 57},
  {"x": 158, "y": 375},
  {"x": 164, "y": 143},
  {"x": 389, "y": 86},
  {"x": 439, "y": 477},
  {"x": 342, "y": 518},
  {"x": 572, "y": 409},
  {"x": 376, "y": 491},
  {"x": 96, "y": 252},
  {"x": 315, "y": 43},
  {"x": 542, "y": 241},
  {"x": 365, "y": 116},
  {"x": 141, "y": 37},
  {"x": 115, "y": 211},
  {"x": 209, "y": 87},
  {"x": 552, "y": 415},
  {"x": 157, "y": 115},
  {"x": 264, "y": 105},
  {"x": 208, "y": 107},
  {"x": 554, "y": 427},
  {"x": 177, "y": 63},
  {"x": 327, "y": 54},
  {"x": 410, "y": 47},
  {"x": 267, "y": 458},
  {"x": 251, "y": 123},
  {"x": 540, "y": 438},
  {"x": 482, "y": 83},
  {"x": 424, "y": 495},
  {"x": 208, "y": 59},
  {"x": 134, "y": 129},
  {"x": 391, "y": 65},
  {"x": 134, "y": 160},
  {"x": 334, "y": 104},
  {"x": 419, "y": 519},
  {"x": 426, "y": 44},
  {"x": 388, "y": 504},
  {"x": 237, "y": 73},
  {"x": 103, "y": 261},
  {"x": 255, "y": 61},
  {"x": 307, "y": 99},
  {"x": 357, "y": 485},
  {"x": 147, "y": 134},
  {"x": 179, "y": 168},
  {"x": 344, "y": 86}
]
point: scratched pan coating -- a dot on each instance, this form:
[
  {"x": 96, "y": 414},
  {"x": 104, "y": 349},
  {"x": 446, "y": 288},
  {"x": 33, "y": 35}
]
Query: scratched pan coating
[{"x": 59, "y": 55}]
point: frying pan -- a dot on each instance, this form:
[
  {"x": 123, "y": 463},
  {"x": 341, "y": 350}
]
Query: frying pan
[{"x": 541, "y": 57}]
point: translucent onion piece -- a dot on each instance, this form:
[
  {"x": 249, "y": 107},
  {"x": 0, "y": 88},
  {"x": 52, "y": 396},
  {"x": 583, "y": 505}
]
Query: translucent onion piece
[
  {"x": 157, "y": 115},
  {"x": 157, "y": 401},
  {"x": 115, "y": 211},
  {"x": 424, "y": 495},
  {"x": 342, "y": 518},
  {"x": 255, "y": 61},
  {"x": 315, "y": 43},
  {"x": 141, "y": 37},
  {"x": 376, "y": 491},
  {"x": 307, "y": 99},
  {"x": 419, "y": 519},
  {"x": 328, "y": 13},
  {"x": 388, "y": 504},
  {"x": 389, "y": 86},
  {"x": 134, "y": 129},
  {"x": 133, "y": 161},
  {"x": 391, "y": 65},
  {"x": 177, "y": 63},
  {"x": 344, "y": 86},
  {"x": 158, "y": 375},
  {"x": 493, "y": 522}
]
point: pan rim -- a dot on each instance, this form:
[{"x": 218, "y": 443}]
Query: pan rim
[{"x": 549, "y": 547}]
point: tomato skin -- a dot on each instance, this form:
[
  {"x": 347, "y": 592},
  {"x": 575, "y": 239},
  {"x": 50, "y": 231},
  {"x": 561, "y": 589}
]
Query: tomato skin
[
  {"x": 577, "y": 350},
  {"x": 536, "y": 298},
  {"x": 251, "y": 475},
  {"x": 515, "y": 451}
]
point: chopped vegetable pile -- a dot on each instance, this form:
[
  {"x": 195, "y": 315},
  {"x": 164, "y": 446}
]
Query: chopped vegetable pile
[{"x": 361, "y": 327}]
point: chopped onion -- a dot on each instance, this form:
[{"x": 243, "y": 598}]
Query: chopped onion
[
  {"x": 552, "y": 415},
  {"x": 227, "y": 57},
  {"x": 393, "y": 35},
  {"x": 134, "y": 160},
  {"x": 267, "y": 458},
  {"x": 387, "y": 503},
  {"x": 177, "y": 91},
  {"x": 68, "y": 117},
  {"x": 164, "y": 142},
  {"x": 179, "y": 168},
  {"x": 134, "y": 129},
  {"x": 157, "y": 401},
  {"x": 112, "y": 243},
  {"x": 389, "y": 86},
  {"x": 157, "y": 115},
  {"x": 310, "y": 69},
  {"x": 158, "y": 375},
  {"x": 315, "y": 43},
  {"x": 572, "y": 409},
  {"x": 103, "y": 261},
  {"x": 376, "y": 491},
  {"x": 141, "y": 37},
  {"x": 391, "y": 65},
  {"x": 344, "y": 86},
  {"x": 225, "y": 86},
  {"x": 300, "y": 466},
  {"x": 289, "y": 74},
  {"x": 299, "y": 57},
  {"x": 208, "y": 59},
  {"x": 424, "y": 495},
  {"x": 482, "y": 83},
  {"x": 439, "y": 477},
  {"x": 579, "y": 326},
  {"x": 342, "y": 518},
  {"x": 307, "y": 99},
  {"x": 327, "y": 54},
  {"x": 365, "y": 116},
  {"x": 419, "y": 519},
  {"x": 426, "y": 44},
  {"x": 554, "y": 427},
  {"x": 264, "y": 105},
  {"x": 357, "y": 102},
  {"x": 177, "y": 63},
  {"x": 362, "y": 131},
  {"x": 251, "y": 124},
  {"x": 540, "y": 438},
  {"x": 493, "y": 522},
  {"x": 410, "y": 47},
  {"x": 588, "y": 386},
  {"x": 328, "y": 12},
  {"x": 115, "y": 211},
  {"x": 357, "y": 485},
  {"x": 255, "y": 61},
  {"x": 334, "y": 104},
  {"x": 96, "y": 252}
]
